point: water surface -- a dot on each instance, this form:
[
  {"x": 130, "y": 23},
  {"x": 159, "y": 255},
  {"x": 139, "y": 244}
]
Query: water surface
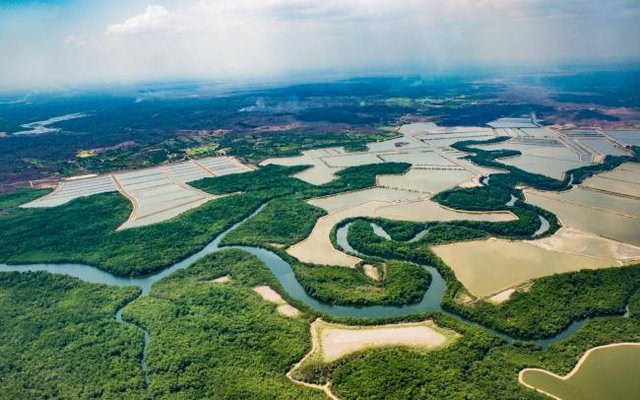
[{"x": 606, "y": 373}]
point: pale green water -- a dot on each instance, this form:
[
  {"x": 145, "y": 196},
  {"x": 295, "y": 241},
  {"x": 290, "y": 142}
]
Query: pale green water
[{"x": 607, "y": 374}]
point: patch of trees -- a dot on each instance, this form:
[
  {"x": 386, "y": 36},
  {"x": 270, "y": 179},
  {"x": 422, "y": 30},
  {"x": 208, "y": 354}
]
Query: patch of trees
[
  {"x": 355, "y": 178},
  {"x": 401, "y": 283},
  {"x": 268, "y": 177},
  {"x": 553, "y": 302},
  {"x": 284, "y": 221},
  {"x": 59, "y": 339},
  {"x": 222, "y": 341},
  {"x": 84, "y": 231},
  {"x": 277, "y": 180},
  {"x": 484, "y": 198}
]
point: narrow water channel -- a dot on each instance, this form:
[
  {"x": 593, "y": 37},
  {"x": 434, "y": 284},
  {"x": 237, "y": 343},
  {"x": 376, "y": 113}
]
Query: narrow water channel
[
  {"x": 544, "y": 226},
  {"x": 143, "y": 360},
  {"x": 430, "y": 302}
]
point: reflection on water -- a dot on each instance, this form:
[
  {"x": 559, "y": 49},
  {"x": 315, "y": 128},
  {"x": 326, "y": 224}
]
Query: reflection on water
[{"x": 40, "y": 127}]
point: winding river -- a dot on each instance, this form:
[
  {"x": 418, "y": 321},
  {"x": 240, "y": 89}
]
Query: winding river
[{"x": 430, "y": 302}]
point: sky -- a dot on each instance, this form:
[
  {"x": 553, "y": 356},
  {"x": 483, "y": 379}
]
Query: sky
[{"x": 85, "y": 42}]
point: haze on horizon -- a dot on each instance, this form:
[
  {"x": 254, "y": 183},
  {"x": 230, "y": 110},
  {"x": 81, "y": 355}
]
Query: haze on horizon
[{"x": 48, "y": 43}]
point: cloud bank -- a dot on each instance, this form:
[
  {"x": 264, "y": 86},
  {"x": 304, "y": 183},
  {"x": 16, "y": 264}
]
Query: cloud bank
[
  {"x": 221, "y": 39},
  {"x": 156, "y": 18}
]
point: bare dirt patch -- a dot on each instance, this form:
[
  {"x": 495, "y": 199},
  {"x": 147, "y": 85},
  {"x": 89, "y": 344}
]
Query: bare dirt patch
[
  {"x": 272, "y": 296},
  {"x": 371, "y": 271},
  {"x": 376, "y": 202},
  {"x": 336, "y": 340},
  {"x": 575, "y": 241},
  {"x": 502, "y": 296},
  {"x": 486, "y": 267},
  {"x": 269, "y": 294},
  {"x": 222, "y": 279},
  {"x": 288, "y": 311}
]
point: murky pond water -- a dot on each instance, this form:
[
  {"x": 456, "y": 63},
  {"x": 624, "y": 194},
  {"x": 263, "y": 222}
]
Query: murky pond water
[{"x": 605, "y": 373}]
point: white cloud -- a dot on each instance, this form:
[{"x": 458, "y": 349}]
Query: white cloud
[
  {"x": 155, "y": 19},
  {"x": 236, "y": 39},
  {"x": 72, "y": 41},
  {"x": 222, "y": 38}
]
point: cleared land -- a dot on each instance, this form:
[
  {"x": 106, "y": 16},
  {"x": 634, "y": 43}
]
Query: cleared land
[
  {"x": 544, "y": 166},
  {"x": 486, "y": 267},
  {"x": 377, "y": 202},
  {"x": 624, "y": 180},
  {"x": 336, "y": 341},
  {"x": 425, "y": 180},
  {"x": 371, "y": 271},
  {"x": 574, "y": 241},
  {"x": 318, "y": 174},
  {"x": 157, "y": 194},
  {"x": 513, "y": 123},
  {"x": 622, "y": 205},
  {"x": 546, "y": 156},
  {"x": 631, "y": 138},
  {"x": 502, "y": 296},
  {"x": 424, "y": 145},
  {"x": 605, "y": 372},
  {"x": 222, "y": 279},
  {"x": 272, "y": 296},
  {"x": 602, "y": 146},
  {"x": 607, "y": 204},
  {"x": 72, "y": 189}
]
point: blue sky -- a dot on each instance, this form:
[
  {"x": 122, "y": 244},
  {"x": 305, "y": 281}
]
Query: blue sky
[{"x": 73, "y": 42}]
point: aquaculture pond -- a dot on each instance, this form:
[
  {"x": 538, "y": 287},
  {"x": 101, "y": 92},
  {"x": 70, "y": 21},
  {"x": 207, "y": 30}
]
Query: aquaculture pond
[
  {"x": 608, "y": 372},
  {"x": 600, "y": 221}
]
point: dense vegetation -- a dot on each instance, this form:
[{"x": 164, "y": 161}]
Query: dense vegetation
[
  {"x": 208, "y": 340},
  {"x": 283, "y": 221},
  {"x": 553, "y": 302},
  {"x": 550, "y": 305},
  {"x": 277, "y": 179},
  {"x": 257, "y": 147},
  {"x": 475, "y": 367},
  {"x": 84, "y": 231},
  {"x": 59, "y": 339},
  {"x": 220, "y": 341},
  {"x": 288, "y": 220},
  {"x": 269, "y": 177},
  {"x": 401, "y": 283},
  {"x": 133, "y": 130},
  {"x": 12, "y": 200},
  {"x": 142, "y": 126}
]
